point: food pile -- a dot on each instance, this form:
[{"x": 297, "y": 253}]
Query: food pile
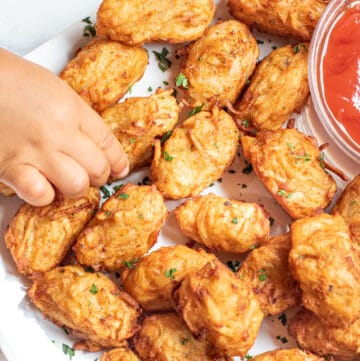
[{"x": 181, "y": 302}]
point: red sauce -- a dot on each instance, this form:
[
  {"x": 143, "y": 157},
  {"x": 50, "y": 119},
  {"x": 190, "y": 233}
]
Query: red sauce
[{"x": 341, "y": 76}]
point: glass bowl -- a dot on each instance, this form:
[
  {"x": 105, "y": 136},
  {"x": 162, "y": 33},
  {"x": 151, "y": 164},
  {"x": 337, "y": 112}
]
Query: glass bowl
[{"x": 318, "y": 46}]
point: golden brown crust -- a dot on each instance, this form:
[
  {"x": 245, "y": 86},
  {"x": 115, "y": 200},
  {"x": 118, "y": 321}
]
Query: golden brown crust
[
  {"x": 137, "y": 122},
  {"x": 87, "y": 303},
  {"x": 125, "y": 228},
  {"x": 293, "y": 354},
  {"x": 348, "y": 206},
  {"x": 287, "y": 162},
  {"x": 195, "y": 155},
  {"x": 266, "y": 271},
  {"x": 219, "y": 63},
  {"x": 165, "y": 337},
  {"x": 5, "y": 190},
  {"x": 212, "y": 301},
  {"x": 289, "y": 18},
  {"x": 39, "y": 237},
  {"x": 278, "y": 88},
  {"x": 104, "y": 70},
  {"x": 222, "y": 224},
  {"x": 152, "y": 281},
  {"x": 341, "y": 342},
  {"x": 324, "y": 261},
  {"x": 135, "y": 22},
  {"x": 119, "y": 354}
]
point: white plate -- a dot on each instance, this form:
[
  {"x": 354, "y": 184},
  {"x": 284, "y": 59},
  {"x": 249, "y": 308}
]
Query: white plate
[{"x": 24, "y": 334}]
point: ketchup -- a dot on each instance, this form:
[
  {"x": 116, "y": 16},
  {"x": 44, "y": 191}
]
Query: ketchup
[{"x": 341, "y": 72}]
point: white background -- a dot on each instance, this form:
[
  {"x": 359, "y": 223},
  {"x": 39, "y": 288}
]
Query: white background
[{"x": 25, "y": 24}]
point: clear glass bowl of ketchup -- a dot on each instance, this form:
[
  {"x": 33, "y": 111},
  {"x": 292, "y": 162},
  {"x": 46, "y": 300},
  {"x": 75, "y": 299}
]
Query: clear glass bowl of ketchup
[{"x": 334, "y": 74}]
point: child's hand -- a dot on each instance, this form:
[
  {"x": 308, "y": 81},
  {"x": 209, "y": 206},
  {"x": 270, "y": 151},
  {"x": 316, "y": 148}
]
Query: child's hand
[{"x": 50, "y": 137}]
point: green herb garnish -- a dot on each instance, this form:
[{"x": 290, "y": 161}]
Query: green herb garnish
[
  {"x": 196, "y": 110},
  {"x": 123, "y": 196},
  {"x": 181, "y": 80},
  {"x": 93, "y": 289},
  {"x": 130, "y": 264},
  {"x": 164, "y": 62},
  {"x": 68, "y": 350},
  {"x": 262, "y": 275},
  {"x": 170, "y": 273},
  {"x": 168, "y": 157},
  {"x": 234, "y": 265},
  {"x": 235, "y": 220},
  {"x": 166, "y": 136},
  {"x": 105, "y": 191}
]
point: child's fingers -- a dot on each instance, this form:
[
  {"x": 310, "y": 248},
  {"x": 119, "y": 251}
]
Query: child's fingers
[
  {"x": 66, "y": 174},
  {"x": 100, "y": 133},
  {"x": 29, "y": 184},
  {"x": 90, "y": 157}
]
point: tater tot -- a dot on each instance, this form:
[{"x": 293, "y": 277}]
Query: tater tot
[
  {"x": 137, "y": 22},
  {"x": 104, "y": 71},
  {"x": 220, "y": 63}
]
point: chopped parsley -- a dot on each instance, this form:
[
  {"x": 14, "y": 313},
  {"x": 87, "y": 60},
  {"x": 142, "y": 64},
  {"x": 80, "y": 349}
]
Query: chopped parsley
[
  {"x": 281, "y": 192},
  {"x": 282, "y": 339},
  {"x": 283, "y": 319},
  {"x": 140, "y": 216},
  {"x": 122, "y": 196},
  {"x": 132, "y": 140},
  {"x": 149, "y": 89},
  {"x": 234, "y": 265},
  {"x": 130, "y": 89},
  {"x": 211, "y": 184},
  {"x": 165, "y": 82},
  {"x": 89, "y": 269},
  {"x": 248, "y": 357},
  {"x": 89, "y": 29},
  {"x": 170, "y": 273},
  {"x": 298, "y": 48},
  {"x": 184, "y": 340},
  {"x": 146, "y": 181},
  {"x": 68, "y": 350},
  {"x": 321, "y": 160},
  {"x": 181, "y": 80},
  {"x": 166, "y": 136},
  {"x": 93, "y": 289},
  {"x": 272, "y": 221},
  {"x": 196, "y": 110},
  {"x": 253, "y": 246},
  {"x": 305, "y": 157},
  {"x": 117, "y": 187},
  {"x": 168, "y": 157},
  {"x": 130, "y": 264},
  {"x": 248, "y": 169},
  {"x": 105, "y": 192},
  {"x": 235, "y": 220},
  {"x": 108, "y": 213},
  {"x": 66, "y": 330},
  {"x": 164, "y": 62},
  {"x": 262, "y": 275},
  {"x": 245, "y": 123}
]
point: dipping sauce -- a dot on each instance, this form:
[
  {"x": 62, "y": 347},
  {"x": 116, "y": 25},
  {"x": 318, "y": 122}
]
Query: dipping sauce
[{"x": 341, "y": 72}]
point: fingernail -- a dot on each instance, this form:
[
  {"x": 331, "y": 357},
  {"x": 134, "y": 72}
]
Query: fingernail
[{"x": 123, "y": 173}]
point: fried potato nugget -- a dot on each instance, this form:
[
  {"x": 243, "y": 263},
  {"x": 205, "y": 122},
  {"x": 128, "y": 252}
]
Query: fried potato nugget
[
  {"x": 222, "y": 224},
  {"x": 289, "y": 18},
  {"x": 196, "y": 154},
  {"x": 89, "y": 304},
  {"x": 135, "y": 22},
  {"x": 165, "y": 337},
  {"x": 219, "y": 63},
  {"x": 119, "y": 354},
  {"x": 325, "y": 263},
  {"x": 39, "y": 237},
  {"x": 137, "y": 122},
  {"x": 266, "y": 271},
  {"x": 125, "y": 228},
  {"x": 219, "y": 307},
  {"x": 5, "y": 190},
  {"x": 341, "y": 342},
  {"x": 348, "y": 205},
  {"x": 293, "y": 354},
  {"x": 278, "y": 88},
  {"x": 287, "y": 162},
  {"x": 104, "y": 70},
  {"x": 154, "y": 277}
]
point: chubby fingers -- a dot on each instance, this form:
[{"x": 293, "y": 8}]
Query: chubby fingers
[
  {"x": 95, "y": 128},
  {"x": 29, "y": 184}
]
